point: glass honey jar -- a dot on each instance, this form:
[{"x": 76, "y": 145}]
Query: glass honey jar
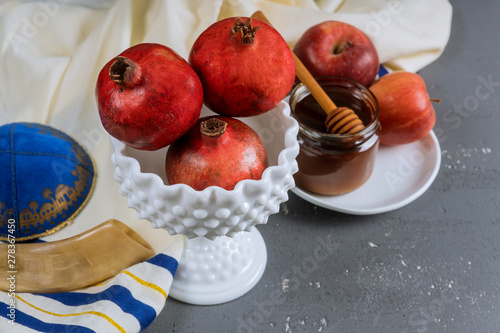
[{"x": 332, "y": 164}]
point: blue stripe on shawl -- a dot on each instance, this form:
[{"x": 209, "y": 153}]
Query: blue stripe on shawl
[
  {"x": 382, "y": 71},
  {"x": 38, "y": 325},
  {"x": 117, "y": 294},
  {"x": 165, "y": 261}
]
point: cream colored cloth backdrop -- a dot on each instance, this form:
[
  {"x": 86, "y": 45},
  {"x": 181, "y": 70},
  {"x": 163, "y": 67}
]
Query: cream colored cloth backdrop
[{"x": 51, "y": 52}]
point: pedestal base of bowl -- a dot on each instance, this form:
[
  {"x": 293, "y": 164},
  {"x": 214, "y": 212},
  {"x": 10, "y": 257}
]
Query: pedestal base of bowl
[{"x": 218, "y": 271}]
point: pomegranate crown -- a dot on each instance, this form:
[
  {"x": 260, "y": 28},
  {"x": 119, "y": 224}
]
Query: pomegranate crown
[
  {"x": 213, "y": 127},
  {"x": 246, "y": 29},
  {"x": 124, "y": 72}
]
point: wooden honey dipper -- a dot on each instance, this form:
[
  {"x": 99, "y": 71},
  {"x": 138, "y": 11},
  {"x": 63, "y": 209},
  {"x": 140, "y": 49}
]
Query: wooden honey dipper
[{"x": 339, "y": 120}]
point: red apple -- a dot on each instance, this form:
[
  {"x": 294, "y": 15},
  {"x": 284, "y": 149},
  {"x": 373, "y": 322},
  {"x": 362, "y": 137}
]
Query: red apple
[
  {"x": 340, "y": 49},
  {"x": 406, "y": 112}
]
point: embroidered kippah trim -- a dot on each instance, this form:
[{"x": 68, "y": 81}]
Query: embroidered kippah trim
[{"x": 63, "y": 197}]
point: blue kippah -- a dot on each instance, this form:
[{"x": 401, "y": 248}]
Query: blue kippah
[{"x": 45, "y": 180}]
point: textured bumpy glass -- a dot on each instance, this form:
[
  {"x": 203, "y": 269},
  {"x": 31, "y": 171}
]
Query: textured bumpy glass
[
  {"x": 215, "y": 211},
  {"x": 331, "y": 163},
  {"x": 224, "y": 254}
]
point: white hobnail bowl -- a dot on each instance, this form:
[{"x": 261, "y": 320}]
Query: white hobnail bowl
[
  {"x": 214, "y": 211},
  {"x": 224, "y": 255}
]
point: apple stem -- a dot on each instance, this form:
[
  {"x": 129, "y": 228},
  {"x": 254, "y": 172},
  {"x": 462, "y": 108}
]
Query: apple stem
[
  {"x": 246, "y": 29},
  {"x": 339, "y": 49},
  {"x": 435, "y": 100}
]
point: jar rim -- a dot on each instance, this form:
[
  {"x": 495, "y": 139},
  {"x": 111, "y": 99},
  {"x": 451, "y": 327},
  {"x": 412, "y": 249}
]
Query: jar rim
[{"x": 371, "y": 127}]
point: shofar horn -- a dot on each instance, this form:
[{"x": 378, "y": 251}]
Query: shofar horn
[{"x": 77, "y": 262}]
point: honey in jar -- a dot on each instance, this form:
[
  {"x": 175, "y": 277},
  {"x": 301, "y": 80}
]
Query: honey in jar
[{"x": 331, "y": 164}]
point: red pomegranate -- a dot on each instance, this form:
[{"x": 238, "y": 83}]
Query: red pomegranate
[
  {"x": 245, "y": 66},
  {"x": 148, "y": 96},
  {"x": 217, "y": 151}
]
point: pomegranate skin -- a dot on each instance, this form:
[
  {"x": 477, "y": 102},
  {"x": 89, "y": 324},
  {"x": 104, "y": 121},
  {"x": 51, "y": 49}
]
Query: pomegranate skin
[
  {"x": 153, "y": 104},
  {"x": 239, "y": 79},
  {"x": 201, "y": 161}
]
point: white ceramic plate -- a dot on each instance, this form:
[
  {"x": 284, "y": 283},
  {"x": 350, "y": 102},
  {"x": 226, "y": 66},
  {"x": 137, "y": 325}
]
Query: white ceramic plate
[{"x": 402, "y": 174}]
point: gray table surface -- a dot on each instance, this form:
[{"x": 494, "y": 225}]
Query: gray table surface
[{"x": 431, "y": 266}]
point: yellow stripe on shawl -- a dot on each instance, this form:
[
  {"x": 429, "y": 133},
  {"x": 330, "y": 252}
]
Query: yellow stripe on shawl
[
  {"x": 102, "y": 315},
  {"x": 145, "y": 283}
]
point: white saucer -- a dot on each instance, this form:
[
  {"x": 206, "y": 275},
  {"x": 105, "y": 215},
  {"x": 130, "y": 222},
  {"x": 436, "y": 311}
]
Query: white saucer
[{"x": 402, "y": 174}]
